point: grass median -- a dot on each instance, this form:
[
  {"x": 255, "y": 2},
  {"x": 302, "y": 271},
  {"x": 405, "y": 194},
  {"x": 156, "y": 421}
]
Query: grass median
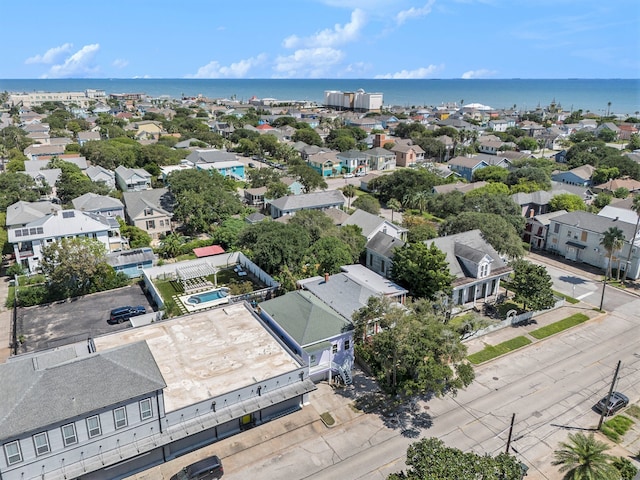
[
  {"x": 493, "y": 351},
  {"x": 559, "y": 326}
]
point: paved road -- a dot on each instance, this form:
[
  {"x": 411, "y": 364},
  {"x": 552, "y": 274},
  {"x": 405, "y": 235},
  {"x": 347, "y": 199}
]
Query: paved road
[{"x": 550, "y": 387}]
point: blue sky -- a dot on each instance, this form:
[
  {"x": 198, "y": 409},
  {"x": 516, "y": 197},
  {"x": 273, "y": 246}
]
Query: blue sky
[{"x": 321, "y": 39}]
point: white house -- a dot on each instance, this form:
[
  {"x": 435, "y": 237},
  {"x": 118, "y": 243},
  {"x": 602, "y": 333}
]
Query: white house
[
  {"x": 28, "y": 240},
  {"x": 132, "y": 179},
  {"x": 372, "y": 224}
]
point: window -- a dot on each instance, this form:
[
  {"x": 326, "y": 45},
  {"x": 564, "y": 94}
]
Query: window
[
  {"x": 484, "y": 270},
  {"x": 334, "y": 348},
  {"x": 93, "y": 426},
  {"x": 151, "y": 224},
  {"x": 41, "y": 442},
  {"x": 120, "y": 417},
  {"x": 69, "y": 434},
  {"x": 12, "y": 452},
  {"x": 568, "y": 233},
  {"x": 312, "y": 360},
  {"x": 346, "y": 344},
  {"x": 583, "y": 236},
  {"x": 556, "y": 228},
  {"x": 145, "y": 409}
]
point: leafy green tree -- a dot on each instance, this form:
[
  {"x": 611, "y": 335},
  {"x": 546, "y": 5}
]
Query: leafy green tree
[
  {"x": 491, "y": 173},
  {"x": 15, "y": 187},
  {"x": 368, "y": 203},
  {"x": 404, "y": 182},
  {"x": 274, "y": 245},
  {"x": 228, "y": 232},
  {"x": 329, "y": 254},
  {"x": 621, "y": 192},
  {"x": 567, "y": 201},
  {"x": 607, "y": 135},
  {"x": 71, "y": 265},
  {"x": 604, "y": 174},
  {"x": 430, "y": 458},
  {"x": 584, "y": 458},
  {"x": 612, "y": 241},
  {"x": 73, "y": 183},
  {"x": 413, "y": 350},
  {"x": 532, "y": 285},
  {"x": 137, "y": 237},
  {"x": 495, "y": 229},
  {"x": 602, "y": 200},
  {"x": 261, "y": 177},
  {"x": 353, "y": 237},
  {"x": 308, "y": 136},
  {"x": 527, "y": 143},
  {"x": 277, "y": 190},
  {"x": 634, "y": 142},
  {"x": 308, "y": 177},
  {"x": 315, "y": 222},
  {"x": 422, "y": 269}
]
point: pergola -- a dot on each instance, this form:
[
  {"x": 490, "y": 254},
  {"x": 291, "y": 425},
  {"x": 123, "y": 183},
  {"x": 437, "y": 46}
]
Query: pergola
[{"x": 187, "y": 273}]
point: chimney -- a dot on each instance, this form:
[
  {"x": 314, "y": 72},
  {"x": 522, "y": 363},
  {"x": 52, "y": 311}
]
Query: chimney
[{"x": 326, "y": 277}]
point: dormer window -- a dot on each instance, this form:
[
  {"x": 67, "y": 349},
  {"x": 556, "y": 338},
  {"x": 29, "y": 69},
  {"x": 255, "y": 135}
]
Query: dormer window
[{"x": 484, "y": 270}]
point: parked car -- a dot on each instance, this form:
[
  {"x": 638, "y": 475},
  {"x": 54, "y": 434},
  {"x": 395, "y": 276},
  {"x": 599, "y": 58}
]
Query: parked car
[
  {"x": 122, "y": 314},
  {"x": 348, "y": 175},
  {"x": 252, "y": 165},
  {"x": 617, "y": 402},
  {"x": 206, "y": 469},
  {"x": 361, "y": 173}
]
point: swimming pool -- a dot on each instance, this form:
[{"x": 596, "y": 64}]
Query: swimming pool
[{"x": 205, "y": 297}]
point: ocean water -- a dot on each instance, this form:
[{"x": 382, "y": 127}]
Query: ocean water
[{"x": 617, "y": 96}]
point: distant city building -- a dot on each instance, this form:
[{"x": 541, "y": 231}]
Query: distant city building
[
  {"x": 359, "y": 100},
  {"x": 83, "y": 99}
]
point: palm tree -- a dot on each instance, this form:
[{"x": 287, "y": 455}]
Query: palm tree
[
  {"x": 349, "y": 192},
  {"x": 583, "y": 458},
  {"x": 612, "y": 241},
  {"x": 394, "y": 205},
  {"x": 170, "y": 246},
  {"x": 635, "y": 206}
]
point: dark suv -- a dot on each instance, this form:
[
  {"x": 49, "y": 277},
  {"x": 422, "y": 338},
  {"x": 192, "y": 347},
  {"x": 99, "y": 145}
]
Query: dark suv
[
  {"x": 206, "y": 469},
  {"x": 122, "y": 314},
  {"x": 616, "y": 402}
]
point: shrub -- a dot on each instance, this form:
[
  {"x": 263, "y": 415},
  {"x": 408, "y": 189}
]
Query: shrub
[
  {"x": 627, "y": 470},
  {"x": 34, "y": 295}
]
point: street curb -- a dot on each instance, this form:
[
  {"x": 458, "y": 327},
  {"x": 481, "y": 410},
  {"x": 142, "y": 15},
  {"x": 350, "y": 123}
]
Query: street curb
[{"x": 535, "y": 341}]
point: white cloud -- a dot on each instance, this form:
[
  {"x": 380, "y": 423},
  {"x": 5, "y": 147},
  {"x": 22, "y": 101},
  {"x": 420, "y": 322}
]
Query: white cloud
[
  {"x": 50, "y": 55},
  {"x": 78, "y": 64},
  {"x": 309, "y": 63},
  {"x": 235, "y": 70},
  {"x": 481, "y": 73},
  {"x": 328, "y": 37},
  {"x": 423, "y": 72},
  {"x": 413, "y": 12},
  {"x": 120, "y": 63}
]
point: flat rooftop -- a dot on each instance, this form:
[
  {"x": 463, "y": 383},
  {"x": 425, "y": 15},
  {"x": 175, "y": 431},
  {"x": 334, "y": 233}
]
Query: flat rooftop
[{"x": 208, "y": 353}]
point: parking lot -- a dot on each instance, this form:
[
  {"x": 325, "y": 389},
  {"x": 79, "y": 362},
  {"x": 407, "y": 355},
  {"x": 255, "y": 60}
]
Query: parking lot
[{"x": 62, "y": 323}]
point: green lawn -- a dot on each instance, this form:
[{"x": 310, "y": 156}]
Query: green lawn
[
  {"x": 559, "y": 326},
  {"x": 566, "y": 297},
  {"x": 493, "y": 351},
  {"x": 615, "y": 428}
]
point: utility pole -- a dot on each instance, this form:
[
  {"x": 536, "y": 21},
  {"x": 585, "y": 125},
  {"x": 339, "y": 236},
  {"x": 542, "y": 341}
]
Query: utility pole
[
  {"x": 604, "y": 285},
  {"x": 606, "y": 405},
  {"x": 513, "y": 419}
]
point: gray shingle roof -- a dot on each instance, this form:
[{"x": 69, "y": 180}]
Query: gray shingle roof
[
  {"x": 93, "y": 202},
  {"x": 368, "y": 222},
  {"x": 384, "y": 244},
  {"x": 595, "y": 223},
  {"x": 310, "y": 200},
  {"x": 21, "y": 213},
  {"x": 158, "y": 198},
  {"x": 306, "y": 318},
  {"x": 34, "y": 397}
]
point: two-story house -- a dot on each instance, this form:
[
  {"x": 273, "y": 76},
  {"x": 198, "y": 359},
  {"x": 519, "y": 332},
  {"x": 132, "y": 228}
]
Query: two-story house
[
  {"x": 577, "y": 236},
  {"x": 379, "y": 253},
  {"x": 101, "y": 204},
  {"x": 22, "y": 213},
  {"x": 28, "y": 240},
  {"x": 150, "y": 210},
  {"x": 323, "y": 200},
  {"x": 315, "y": 332},
  {"x": 97, "y": 173},
  {"x": 372, "y": 224},
  {"x": 380, "y": 158},
  {"x": 407, "y": 154},
  {"x": 132, "y": 179},
  {"x": 476, "y": 266},
  {"x": 352, "y": 161}
]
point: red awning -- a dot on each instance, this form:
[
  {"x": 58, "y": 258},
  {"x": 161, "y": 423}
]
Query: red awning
[{"x": 208, "y": 251}]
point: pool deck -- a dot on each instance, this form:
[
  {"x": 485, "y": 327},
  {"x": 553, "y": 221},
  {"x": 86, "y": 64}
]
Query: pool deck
[{"x": 196, "y": 307}]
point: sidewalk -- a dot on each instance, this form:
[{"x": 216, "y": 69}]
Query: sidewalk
[{"x": 5, "y": 321}]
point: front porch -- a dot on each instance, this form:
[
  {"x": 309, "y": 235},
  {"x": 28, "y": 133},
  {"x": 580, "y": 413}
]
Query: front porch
[{"x": 474, "y": 295}]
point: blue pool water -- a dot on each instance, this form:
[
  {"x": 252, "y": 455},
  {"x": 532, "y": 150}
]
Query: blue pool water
[{"x": 207, "y": 297}]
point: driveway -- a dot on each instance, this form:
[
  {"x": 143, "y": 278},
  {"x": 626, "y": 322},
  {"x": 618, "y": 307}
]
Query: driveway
[{"x": 62, "y": 323}]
